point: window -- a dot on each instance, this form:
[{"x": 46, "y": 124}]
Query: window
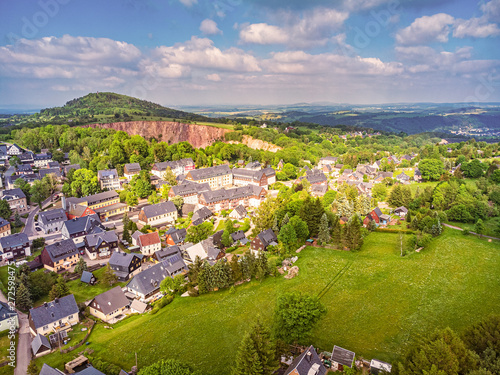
[
  {"x": 45, "y": 328},
  {"x": 70, "y": 317}
]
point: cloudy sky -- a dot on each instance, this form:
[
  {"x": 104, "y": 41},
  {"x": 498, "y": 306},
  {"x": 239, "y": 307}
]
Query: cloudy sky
[{"x": 200, "y": 52}]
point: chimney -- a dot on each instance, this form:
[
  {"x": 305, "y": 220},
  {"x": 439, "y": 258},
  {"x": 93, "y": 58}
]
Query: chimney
[
  {"x": 309, "y": 356},
  {"x": 63, "y": 202}
]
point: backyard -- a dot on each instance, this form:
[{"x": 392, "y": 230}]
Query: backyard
[{"x": 377, "y": 303}]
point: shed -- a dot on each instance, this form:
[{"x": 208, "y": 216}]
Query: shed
[
  {"x": 88, "y": 278},
  {"x": 341, "y": 357},
  {"x": 377, "y": 367},
  {"x": 138, "y": 307},
  {"x": 40, "y": 345}
]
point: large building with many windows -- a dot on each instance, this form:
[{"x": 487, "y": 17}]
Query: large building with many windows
[{"x": 217, "y": 177}]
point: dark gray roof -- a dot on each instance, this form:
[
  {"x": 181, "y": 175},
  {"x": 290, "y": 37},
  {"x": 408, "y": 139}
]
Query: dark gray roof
[
  {"x": 159, "y": 209},
  {"x": 11, "y": 194},
  {"x": 61, "y": 250},
  {"x": 377, "y": 211},
  {"x": 315, "y": 176},
  {"x": 107, "y": 174},
  {"x": 401, "y": 209},
  {"x": 218, "y": 170},
  {"x": 121, "y": 259},
  {"x": 174, "y": 263},
  {"x": 201, "y": 215},
  {"x": 189, "y": 187},
  {"x": 319, "y": 189},
  {"x": 24, "y": 168},
  {"x": 247, "y": 174},
  {"x": 240, "y": 210},
  {"x": 71, "y": 166},
  {"x": 48, "y": 217},
  {"x": 173, "y": 164},
  {"x": 44, "y": 156},
  {"x": 267, "y": 237},
  {"x": 239, "y": 235},
  {"x": 6, "y": 312},
  {"x": 178, "y": 235},
  {"x": 38, "y": 342},
  {"x": 133, "y": 167},
  {"x": 166, "y": 252},
  {"x": 403, "y": 176},
  {"x": 86, "y": 277},
  {"x": 149, "y": 280},
  {"x": 83, "y": 224},
  {"x": 90, "y": 371},
  {"x": 231, "y": 194},
  {"x": 99, "y": 197},
  {"x": 44, "y": 172},
  {"x": 95, "y": 239},
  {"x": 307, "y": 361},
  {"x": 53, "y": 311},
  {"x": 342, "y": 356},
  {"x": 253, "y": 164},
  {"x": 3, "y": 222},
  {"x": 53, "y": 164},
  {"x": 47, "y": 370},
  {"x": 111, "y": 300},
  {"x": 14, "y": 240}
]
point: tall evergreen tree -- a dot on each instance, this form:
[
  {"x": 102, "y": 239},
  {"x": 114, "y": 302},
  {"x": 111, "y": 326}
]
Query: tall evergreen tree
[
  {"x": 235, "y": 269},
  {"x": 109, "y": 277},
  {"x": 23, "y": 298},
  {"x": 285, "y": 220},
  {"x": 335, "y": 230},
  {"x": 194, "y": 270},
  {"x": 324, "y": 231},
  {"x": 81, "y": 266}
]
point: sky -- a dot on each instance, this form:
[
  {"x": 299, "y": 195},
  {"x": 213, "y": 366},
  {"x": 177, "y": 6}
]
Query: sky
[{"x": 242, "y": 52}]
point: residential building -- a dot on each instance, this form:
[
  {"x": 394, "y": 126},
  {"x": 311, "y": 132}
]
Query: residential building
[
  {"x": 319, "y": 190},
  {"x": 108, "y": 179},
  {"x": 315, "y": 177},
  {"x": 253, "y": 166},
  {"x": 27, "y": 158},
  {"x": 147, "y": 283},
  {"x": 104, "y": 204},
  {"x": 401, "y": 211},
  {"x": 57, "y": 315},
  {"x": 14, "y": 150},
  {"x": 76, "y": 229},
  {"x": 131, "y": 169},
  {"x": 53, "y": 164},
  {"x": 270, "y": 174},
  {"x": 16, "y": 199},
  {"x": 60, "y": 256},
  {"x": 125, "y": 265},
  {"x": 239, "y": 236},
  {"x": 5, "y": 229},
  {"x": 55, "y": 171},
  {"x": 178, "y": 167},
  {"x": 42, "y": 160},
  {"x": 175, "y": 236},
  {"x": 67, "y": 168},
  {"x": 47, "y": 370},
  {"x": 238, "y": 213},
  {"x": 101, "y": 245},
  {"x": 8, "y": 317},
  {"x": 246, "y": 196},
  {"x": 328, "y": 160},
  {"x": 171, "y": 258},
  {"x": 308, "y": 363},
  {"x": 188, "y": 191},
  {"x": 341, "y": 358},
  {"x": 403, "y": 178},
  {"x": 15, "y": 246},
  {"x": 3, "y": 153},
  {"x": 149, "y": 243},
  {"x": 40, "y": 345},
  {"x": 52, "y": 220},
  {"x": 205, "y": 250},
  {"x": 263, "y": 240},
  {"x": 217, "y": 177},
  {"x": 201, "y": 215},
  {"x": 108, "y": 306},
  {"x": 24, "y": 169},
  {"x": 244, "y": 177},
  {"x": 158, "y": 214}
]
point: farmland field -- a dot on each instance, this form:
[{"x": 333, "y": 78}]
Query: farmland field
[{"x": 377, "y": 302}]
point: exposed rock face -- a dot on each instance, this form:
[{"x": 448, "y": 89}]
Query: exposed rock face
[
  {"x": 257, "y": 144},
  {"x": 171, "y": 132}
]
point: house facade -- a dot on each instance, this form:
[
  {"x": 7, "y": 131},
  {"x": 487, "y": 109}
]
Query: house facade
[
  {"x": 60, "y": 314},
  {"x": 217, "y": 177},
  {"x": 108, "y": 179},
  {"x": 52, "y": 220},
  {"x": 60, "y": 256},
  {"x": 188, "y": 191},
  {"x": 263, "y": 240},
  {"x": 15, "y": 246},
  {"x": 158, "y": 214},
  {"x": 76, "y": 229},
  {"x": 101, "y": 245},
  {"x": 131, "y": 169},
  {"x": 5, "y": 229},
  {"x": 246, "y": 196},
  {"x": 109, "y": 305},
  {"x": 178, "y": 167},
  {"x": 16, "y": 199},
  {"x": 149, "y": 243},
  {"x": 125, "y": 265},
  {"x": 8, "y": 317}
]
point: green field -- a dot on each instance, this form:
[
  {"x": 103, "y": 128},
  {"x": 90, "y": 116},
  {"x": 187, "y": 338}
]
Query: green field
[{"x": 375, "y": 308}]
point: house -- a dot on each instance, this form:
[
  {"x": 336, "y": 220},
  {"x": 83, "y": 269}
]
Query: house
[
  {"x": 189, "y": 191},
  {"x": 3, "y": 153},
  {"x": 147, "y": 283},
  {"x": 40, "y": 345},
  {"x": 16, "y": 199},
  {"x": 263, "y": 240},
  {"x": 47, "y": 370},
  {"x": 149, "y": 243},
  {"x": 253, "y": 166},
  {"x": 54, "y": 171},
  {"x": 205, "y": 250},
  {"x": 201, "y": 215},
  {"x": 177, "y": 167},
  {"x": 110, "y": 305},
  {"x": 175, "y": 236},
  {"x": 319, "y": 190},
  {"x": 403, "y": 178},
  {"x": 315, "y": 177},
  {"x": 101, "y": 245},
  {"x": 67, "y": 168},
  {"x": 385, "y": 219},
  {"x": 42, "y": 160},
  {"x": 375, "y": 214},
  {"x": 15, "y": 246},
  {"x": 24, "y": 169},
  {"x": 54, "y": 164},
  {"x": 401, "y": 211},
  {"x": 90, "y": 371},
  {"x": 217, "y": 177},
  {"x": 270, "y": 174},
  {"x": 247, "y": 196},
  {"x": 187, "y": 208},
  {"x": 135, "y": 237},
  {"x": 417, "y": 175},
  {"x": 88, "y": 278},
  {"x": 57, "y": 315},
  {"x": 27, "y": 158},
  {"x": 76, "y": 229},
  {"x": 14, "y": 150},
  {"x": 52, "y": 220},
  {"x": 172, "y": 260},
  {"x": 105, "y": 204},
  {"x": 280, "y": 165},
  {"x": 125, "y": 265},
  {"x": 328, "y": 160},
  {"x": 308, "y": 363},
  {"x": 5, "y": 229},
  {"x": 341, "y": 357},
  {"x": 378, "y": 367},
  {"x": 239, "y": 213},
  {"x": 8, "y": 317},
  {"x": 108, "y": 179},
  {"x": 158, "y": 214},
  {"x": 239, "y": 236},
  {"x": 60, "y": 256},
  {"x": 244, "y": 177},
  {"x": 131, "y": 169},
  {"x": 137, "y": 307}
]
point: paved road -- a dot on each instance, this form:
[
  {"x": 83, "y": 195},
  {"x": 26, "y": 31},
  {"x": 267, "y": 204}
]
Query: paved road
[{"x": 458, "y": 228}]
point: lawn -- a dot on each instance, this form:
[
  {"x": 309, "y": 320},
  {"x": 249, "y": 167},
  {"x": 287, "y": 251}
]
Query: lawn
[
  {"x": 377, "y": 303},
  {"x": 84, "y": 292},
  {"x": 4, "y": 347},
  {"x": 490, "y": 226}
]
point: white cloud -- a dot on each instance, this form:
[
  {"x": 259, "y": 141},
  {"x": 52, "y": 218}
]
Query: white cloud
[
  {"x": 475, "y": 27},
  {"x": 419, "y": 57},
  {"x": 491, "y": 10},
  {"x": 213, "y": 77},
  {"x": 189, "y": 3},
  {"x": 209, "y": 27},
  {"x": 314, "y": 28},
  {"x": 426, "y": 29}
]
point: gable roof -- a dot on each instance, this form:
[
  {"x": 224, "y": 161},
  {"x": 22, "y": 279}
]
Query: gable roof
[
  {"x": 132, "y": 167},
  {"x": 86, "y": 277},
  {"x": 307, "y": 363},
  {"x": 201, "y": 215},
  {"x": 267, "y": 237},
  {"x": 121, "y": 259},
  {"x": 342, "y": 356},
  {"x": 231, "y": 194},
  {"x": 148, "y": 280},
  {"x": 90, "y": 371},
  {"x": 178, "y": 235},
  {"x": 95, "y": 239},
  {"x": 240, "y": 210},
  {"x": 107, "y": 174},
  {"x": 138, "y": 306},
  {"x": 173, "y": 164},
  {"x": 85, "y": 224},
  {"x": 377, "y": 211},
  {"x": 6, "y": 312},
  {"x": 13, "y": 240},
  {"x": 110, "y": 300},
  {"x": 159, "y": 209},
  {"x": 47, "y": 370},
  {"x": 53, "y": 311},
  {"x": 38, "y": 342},
  {"x": 61, "y": 250},
  {"x": 11, "y": 194},
  {"x": 239, "y": 235},
  {"x": 401, "y": 209},
  {"x": 48, "y": 217},
  {"x": 188, "y": 187},
  {"x": 204, "y": 173},
  {"x": 149, "y": 239}
]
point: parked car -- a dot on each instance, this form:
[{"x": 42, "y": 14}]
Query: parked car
[{"x": 38, "y": 229}]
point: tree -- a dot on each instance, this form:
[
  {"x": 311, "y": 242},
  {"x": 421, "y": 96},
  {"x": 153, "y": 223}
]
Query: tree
[
  {"x": 324, "y": 231},
  {"x": 379, "y": 191},
  {"x": 109, "y": 277},
  {"x": 194, "y": 270},
  {"x": 257, "y": 352},
  {"x": 33, "y": 368},
  {"x": 352, "y": 237},
  {"x": 295, "y": 315},
  {"x": 287, "y": 236},
  {"x": 178, "y": 201},
  {"x": 169, "y": 177},
  {"x": 23, "y": 297},
  {"x": 479, "y": 227},
  {"x": 84, "y": 183},
  {"x": 39, "y": 192},
  {"x": 5, "y": 211},
  {"x": 226, "y": 239},
  {"x": 17, "y": 220},
  {"x": 59, "y": 289},
  {"x": 14, "y": 160},
  {"x": 168, "y": 367},
  {"x": 263, "y": 217},
  {"x": 81, "y": 266},
  {"x": 197, "y": 233},
  {"x": 300, "y": 227},
  {"x": 431, "y": 169}
]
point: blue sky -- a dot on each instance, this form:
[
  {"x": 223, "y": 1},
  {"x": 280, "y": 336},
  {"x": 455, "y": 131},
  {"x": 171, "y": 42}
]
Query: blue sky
[{"x": 196, "y": 52}]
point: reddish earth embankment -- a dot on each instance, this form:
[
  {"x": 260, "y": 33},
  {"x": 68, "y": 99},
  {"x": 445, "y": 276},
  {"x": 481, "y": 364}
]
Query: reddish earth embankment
[{"x": 171, "y": 132}]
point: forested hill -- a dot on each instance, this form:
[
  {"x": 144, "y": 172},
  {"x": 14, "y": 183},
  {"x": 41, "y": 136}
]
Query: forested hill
[{"x": 99, "y": 104}]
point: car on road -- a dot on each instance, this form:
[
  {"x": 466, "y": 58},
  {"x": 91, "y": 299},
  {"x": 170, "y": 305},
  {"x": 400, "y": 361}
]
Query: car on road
[{"x": 38, "y": 229}]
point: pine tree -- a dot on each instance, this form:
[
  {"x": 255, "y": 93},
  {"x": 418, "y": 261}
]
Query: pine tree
[
  {"x": 126, "y": 235},
  {"x": 17, "y": 220},
  {"x": 226, "y": 239},
  {"x": 235, "y": 269},
  {"x": 285, "y": 220},
  {"x": 336, "y": 230},
  {"x": 202, "y": 282},
  {"x": 275, "y": 227},
  {"x": 62, "y": 287},
  {"x": 109, "y": 277},
  {"x": 356, "y": 240},
  {"x": 23, "y": 298},
  {"x": 194, "y": 270},
  {"x": 81, "y": 266},
  {"x": 324, "y": 231}
]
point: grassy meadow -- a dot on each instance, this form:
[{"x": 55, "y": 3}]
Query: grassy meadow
[{"x": 377, "y": 303}]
